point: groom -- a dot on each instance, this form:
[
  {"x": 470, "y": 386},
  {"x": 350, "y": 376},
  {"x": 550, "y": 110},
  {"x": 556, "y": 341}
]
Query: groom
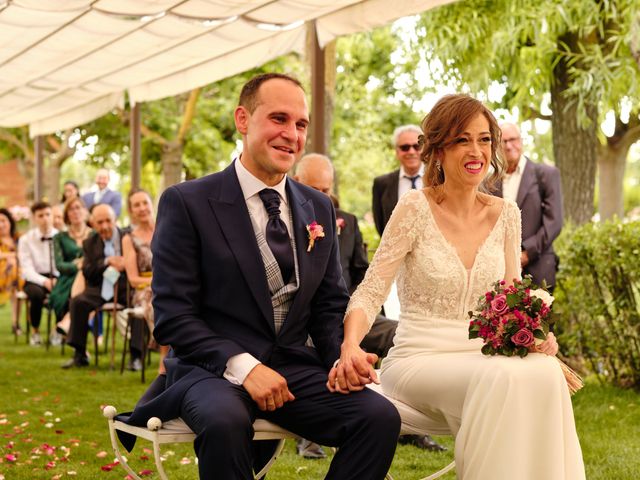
[{"x": 240, "y": 286}]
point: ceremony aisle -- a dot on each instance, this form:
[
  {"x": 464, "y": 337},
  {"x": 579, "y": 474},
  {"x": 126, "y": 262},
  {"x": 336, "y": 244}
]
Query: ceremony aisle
[{"x": 51, "y": 426}]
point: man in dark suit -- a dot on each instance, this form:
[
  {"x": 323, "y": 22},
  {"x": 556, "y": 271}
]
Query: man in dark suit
[
  {"x": 103, "y": 268},
  {"x": 103, "y": 194},
  {"x": 535, "y": 187},
  {"x": 242, "y": 279},
  {"x": 388, "y": 188}
]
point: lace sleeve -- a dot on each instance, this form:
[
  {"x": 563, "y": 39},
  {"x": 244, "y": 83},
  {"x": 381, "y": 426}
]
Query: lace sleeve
[
  {"x": 512, "y": 241},
  {"x": 397, "y": 241}
]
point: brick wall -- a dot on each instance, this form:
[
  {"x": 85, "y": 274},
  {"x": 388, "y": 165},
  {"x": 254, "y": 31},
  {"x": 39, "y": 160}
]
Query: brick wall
[{"x": 13, "y": 186}]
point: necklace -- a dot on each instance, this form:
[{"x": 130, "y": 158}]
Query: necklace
[{"x": 79, "y": 235}]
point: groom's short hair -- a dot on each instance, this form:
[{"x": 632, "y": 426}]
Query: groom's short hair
[{"x": 249, "y": 93}]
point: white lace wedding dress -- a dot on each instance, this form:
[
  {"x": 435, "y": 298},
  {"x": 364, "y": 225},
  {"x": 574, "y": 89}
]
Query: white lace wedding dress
[{"x": 511, "y": 417}]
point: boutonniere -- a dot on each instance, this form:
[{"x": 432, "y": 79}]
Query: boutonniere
[
  {"x": 315, "y": 231},
  {"x": 340, "y": 223}
]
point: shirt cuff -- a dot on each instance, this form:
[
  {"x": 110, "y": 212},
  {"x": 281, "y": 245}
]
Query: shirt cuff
[{"x": 239, "y": 366}]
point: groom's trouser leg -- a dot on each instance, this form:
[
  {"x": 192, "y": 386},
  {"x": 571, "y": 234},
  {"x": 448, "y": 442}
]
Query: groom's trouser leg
[
  {"x": 363, "y": 425},
  {"x": 221, "y": 415}
]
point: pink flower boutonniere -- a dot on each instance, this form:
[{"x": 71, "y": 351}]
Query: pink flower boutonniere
[
  {"x": 315, "y": 231},
  {"x": 340, "y": 223}
]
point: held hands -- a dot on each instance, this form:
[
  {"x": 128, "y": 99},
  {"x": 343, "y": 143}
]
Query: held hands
[
  {"x": 267, "y": 388},
  {"x": 549, "y": 346},
  {"x": 353, "y": 371}
]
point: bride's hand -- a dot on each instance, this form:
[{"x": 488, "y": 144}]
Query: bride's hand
[
  {"x": 549, "y": 346},
  {"x": 353, "y": 371}
]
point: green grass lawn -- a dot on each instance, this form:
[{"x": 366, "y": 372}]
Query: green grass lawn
[{"x": 51, "y": 425}]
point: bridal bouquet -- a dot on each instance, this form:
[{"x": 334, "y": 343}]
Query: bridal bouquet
[{"x": 512, "y": 319}]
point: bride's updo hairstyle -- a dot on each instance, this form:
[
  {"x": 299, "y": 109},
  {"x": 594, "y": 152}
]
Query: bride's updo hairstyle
[{"x": 443, "y": 124}]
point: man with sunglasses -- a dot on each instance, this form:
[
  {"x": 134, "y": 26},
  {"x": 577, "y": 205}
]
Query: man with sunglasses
[{"x": 388, "y": 188}]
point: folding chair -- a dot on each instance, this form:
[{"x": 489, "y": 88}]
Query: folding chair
[
  {"x": 176, "y": 431},
  {"x": 109, "y": 309},
  {"x": 135, "y": 315}
]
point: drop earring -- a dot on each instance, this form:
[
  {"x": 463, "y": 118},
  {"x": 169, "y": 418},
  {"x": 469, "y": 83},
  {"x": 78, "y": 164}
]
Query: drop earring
[{"x": 438, "y": 166}]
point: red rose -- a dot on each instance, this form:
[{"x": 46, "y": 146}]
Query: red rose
[
  {"x": 499, "y": 304},
  {"x": 523, "y": 338}
]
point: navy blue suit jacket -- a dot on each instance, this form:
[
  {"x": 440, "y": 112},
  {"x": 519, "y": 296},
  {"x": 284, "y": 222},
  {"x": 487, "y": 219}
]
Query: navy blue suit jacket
[
  {"x": 110, "y": 197},
  {"x": 211, "y": 298}
]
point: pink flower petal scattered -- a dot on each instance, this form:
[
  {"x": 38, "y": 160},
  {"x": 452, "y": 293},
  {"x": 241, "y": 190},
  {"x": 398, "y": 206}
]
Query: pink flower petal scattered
[
  {"x": 145, "y": 473},
  {"x": 101, "y": 454},
  {"x": 10, "y": 457},
  {"x": 50, "y": 465}
]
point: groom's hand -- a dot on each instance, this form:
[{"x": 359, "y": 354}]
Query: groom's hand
[
  {"x": 354, "y": 370},
  {"x": 267, "y": 388}
]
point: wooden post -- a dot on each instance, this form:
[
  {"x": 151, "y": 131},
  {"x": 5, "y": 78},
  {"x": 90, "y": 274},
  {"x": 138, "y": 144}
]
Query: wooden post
[
  {"x": 134, "y": 130},
  {"x": 318, "y": 138},
  {"x": 38, "y": 180}
]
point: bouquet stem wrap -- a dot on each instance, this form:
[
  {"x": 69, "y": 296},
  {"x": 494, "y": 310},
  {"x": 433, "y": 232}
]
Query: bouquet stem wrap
[{"x": 574, "y": 382}]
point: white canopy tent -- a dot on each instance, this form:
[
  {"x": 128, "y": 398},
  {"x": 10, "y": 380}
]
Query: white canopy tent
[{"x": 67, "y": 62}]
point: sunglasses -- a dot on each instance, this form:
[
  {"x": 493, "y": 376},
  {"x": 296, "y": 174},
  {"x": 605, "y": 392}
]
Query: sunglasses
[{"x": 408, "y": 146}]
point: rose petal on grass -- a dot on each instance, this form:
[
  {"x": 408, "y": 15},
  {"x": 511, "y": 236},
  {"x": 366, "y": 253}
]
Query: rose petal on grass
[
  {"x": 101, "y": 454},
  {"x": 144, "y": 457},
  {"x": 10, "y": 457},
  {"x": 50, "y": 465},
  {"x": 59, "y": 432},
  {"x": 147, "y": 450},
  {"x": 48, "y": 425},
  {"x": 145, "y": 473},
  {"x": 48, "y": 414},
  {"x": 185, "y": 461}
]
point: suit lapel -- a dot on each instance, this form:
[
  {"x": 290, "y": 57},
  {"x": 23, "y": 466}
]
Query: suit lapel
[
  {"x": 527, "y": 180},
  {"x": 303, "y": 214},
  {"x": 390, "y": 196},
  {"x": 230, "y": 209}
]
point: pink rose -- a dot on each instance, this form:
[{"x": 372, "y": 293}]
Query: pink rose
[
  {"x": 523, "y": 338},
  {"x": 499, "y": 304}
]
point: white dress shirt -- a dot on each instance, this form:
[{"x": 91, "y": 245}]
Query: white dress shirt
[
  {"x": 511, "y": 181},
  {"x": 404, "y": 183},
  {"x": 239, "y": 366},
  {"x": 35, "y": 256}
]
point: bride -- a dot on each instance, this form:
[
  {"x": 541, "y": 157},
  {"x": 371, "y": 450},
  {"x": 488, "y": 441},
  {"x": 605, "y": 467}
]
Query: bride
[{"x": 511, "y": 417}]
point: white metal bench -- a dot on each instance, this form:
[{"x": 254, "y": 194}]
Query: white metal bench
[{"x": 176, "y": 431}]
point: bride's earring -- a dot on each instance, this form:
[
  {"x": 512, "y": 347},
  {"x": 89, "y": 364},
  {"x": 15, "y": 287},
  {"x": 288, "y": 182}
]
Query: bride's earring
[{"x": 438, "y": 166}]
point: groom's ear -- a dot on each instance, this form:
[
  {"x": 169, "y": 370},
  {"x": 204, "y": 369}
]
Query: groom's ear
[{"x": 241, "y": 117}]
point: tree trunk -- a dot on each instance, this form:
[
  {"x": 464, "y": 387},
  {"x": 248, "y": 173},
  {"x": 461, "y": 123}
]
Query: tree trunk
[
  {"x": 575, "y": 143},
  {"x": 611, "y": 166},
  {"x": 171, "y": 164}
]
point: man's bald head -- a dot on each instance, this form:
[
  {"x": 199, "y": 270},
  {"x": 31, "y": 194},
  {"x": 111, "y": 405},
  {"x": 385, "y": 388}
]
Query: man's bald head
[
  {"x": 315, "y": 171},
  {"x": 103, "y": 219}
]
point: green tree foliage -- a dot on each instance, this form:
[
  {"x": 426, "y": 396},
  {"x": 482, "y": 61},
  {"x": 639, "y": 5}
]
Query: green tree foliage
[
  {"x": 375, "y": 93},
  {"x": 578, "y": 51}
]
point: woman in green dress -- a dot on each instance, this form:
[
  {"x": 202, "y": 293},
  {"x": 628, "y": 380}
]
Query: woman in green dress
[{"x": 68, "y": 254}]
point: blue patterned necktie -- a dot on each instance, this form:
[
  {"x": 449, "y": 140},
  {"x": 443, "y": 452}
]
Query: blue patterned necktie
[
  {"x": 277, "y": 235},
  {"x": 413, "y": 181},
  {"x": 106, "y": 291}
]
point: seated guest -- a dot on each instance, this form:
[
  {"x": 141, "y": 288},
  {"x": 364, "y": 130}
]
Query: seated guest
[
  {"x": 101, "y": 193},
  {"x": 103, "y": 269},
  {"x": 136, "y": 248},
  {"x": 67, "y": 247},
  {"x": 69, "y": 190},
  {"x": 10, "y": 281},
  {"x": 58, "y": 217},
  {"x": 37, "y": 267}
]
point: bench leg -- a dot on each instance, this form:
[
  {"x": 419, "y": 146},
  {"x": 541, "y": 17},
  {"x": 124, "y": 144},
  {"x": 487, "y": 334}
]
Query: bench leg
[
  {"x": 121, "y": 459},
  {"x": 270, "y": 463},
  {"x": 156, "y": 457}
]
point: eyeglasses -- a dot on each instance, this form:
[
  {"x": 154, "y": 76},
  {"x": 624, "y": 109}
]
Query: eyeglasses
[{"x": 408, "y": 146}]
